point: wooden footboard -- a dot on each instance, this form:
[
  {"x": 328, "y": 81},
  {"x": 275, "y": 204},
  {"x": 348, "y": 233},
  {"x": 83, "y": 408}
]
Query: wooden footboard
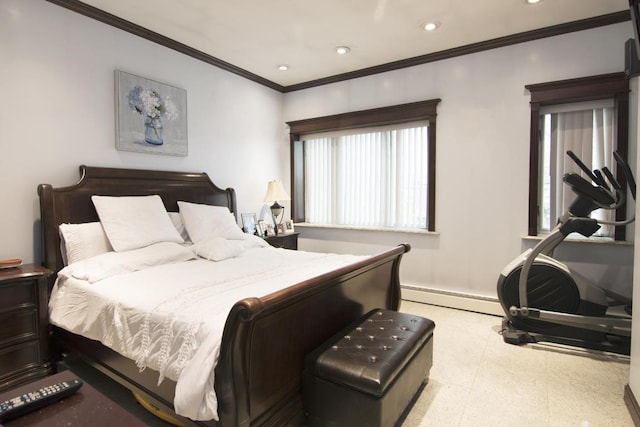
[{"x": 265, "y": 340}]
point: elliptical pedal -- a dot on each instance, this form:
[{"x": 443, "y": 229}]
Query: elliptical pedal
[{"x": 511, "y": 335}]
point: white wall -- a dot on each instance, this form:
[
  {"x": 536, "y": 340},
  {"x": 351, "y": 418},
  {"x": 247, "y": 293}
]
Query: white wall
[
  {"x": 482, "y": 157},
  {"x": 57, "y": 112}
]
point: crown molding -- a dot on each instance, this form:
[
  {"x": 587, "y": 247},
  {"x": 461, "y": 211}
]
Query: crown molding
[{"x": 555, "y": 30}]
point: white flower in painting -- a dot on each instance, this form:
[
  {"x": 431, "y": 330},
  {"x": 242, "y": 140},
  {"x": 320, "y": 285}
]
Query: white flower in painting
[
  {"x": 149, "y": 103},
  {"x": 170, "y": 109}
]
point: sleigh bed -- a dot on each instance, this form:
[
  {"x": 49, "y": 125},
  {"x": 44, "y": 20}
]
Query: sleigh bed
[{"x": 264, "y": 340}]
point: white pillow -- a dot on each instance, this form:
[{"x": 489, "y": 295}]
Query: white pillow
[
  {"x": 81, "y": 241},
  {"x": 176, "y": 219},
  {"x": 205, "y": 221},
  {"x": 253, "y": 241},
  {"x": 218, "y": 248},
  {"x": 112, "y": 263},
  {"x": 132, "y": 222}
]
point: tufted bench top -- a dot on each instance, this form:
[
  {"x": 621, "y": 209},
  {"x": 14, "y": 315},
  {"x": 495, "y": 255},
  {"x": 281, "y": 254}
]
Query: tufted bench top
[{"x": 369, "y": 354}]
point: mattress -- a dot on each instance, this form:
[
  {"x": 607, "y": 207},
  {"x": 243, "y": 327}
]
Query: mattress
[{"x": 169, "y": 317}]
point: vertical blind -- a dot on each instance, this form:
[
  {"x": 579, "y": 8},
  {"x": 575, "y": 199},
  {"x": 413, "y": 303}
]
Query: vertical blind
[
  {"x": 372, "y": 178},
  {"x": 590, "y": 134}
]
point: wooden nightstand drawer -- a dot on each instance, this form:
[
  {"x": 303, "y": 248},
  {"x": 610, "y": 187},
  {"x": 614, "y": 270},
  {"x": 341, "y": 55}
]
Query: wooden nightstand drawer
[
  {"x": 19, "y": 358},
  {"x": 18, "y": 294},
  {"x": 18, "y": 326}
]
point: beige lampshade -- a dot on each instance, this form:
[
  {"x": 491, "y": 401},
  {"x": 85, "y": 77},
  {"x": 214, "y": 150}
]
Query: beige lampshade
[{"x": 275, "y": 192}]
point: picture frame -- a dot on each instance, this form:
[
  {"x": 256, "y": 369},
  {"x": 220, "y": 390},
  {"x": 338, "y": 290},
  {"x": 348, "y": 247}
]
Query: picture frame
[
  {"x": 261, "y": 228},
  {"x": 281, "y": 228},
  {"x": 271, "y": 230},
  {"x": 151, "y": 117},
  {"x": 288, "y": 226},
  {"x": 249, "y": 223}
]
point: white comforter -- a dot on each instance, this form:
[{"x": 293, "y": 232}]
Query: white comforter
[{"x": 170, "y": 317}]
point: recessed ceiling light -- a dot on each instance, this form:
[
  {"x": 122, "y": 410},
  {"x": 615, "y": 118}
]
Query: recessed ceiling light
[
  {"x": 430, "y": 26},
  {"x": 283, "y": 67},
  {"x": 532, "y": 1},
  {"x": 342, "y": 50}
]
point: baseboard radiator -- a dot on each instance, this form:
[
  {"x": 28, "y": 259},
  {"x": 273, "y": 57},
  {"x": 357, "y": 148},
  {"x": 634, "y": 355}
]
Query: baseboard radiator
[{"x": 460, "y": 301}]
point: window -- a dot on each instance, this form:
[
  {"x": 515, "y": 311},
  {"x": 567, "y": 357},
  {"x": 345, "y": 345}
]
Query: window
[
  {"x": 375, "y": 177},
  {"x": 587, "y": 129},
  {"x": 587, "y": 116},
  {"x": 373, "y": 168}
]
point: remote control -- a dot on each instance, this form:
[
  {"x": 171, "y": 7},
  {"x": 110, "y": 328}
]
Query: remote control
[{"x": 36, "y": 399}]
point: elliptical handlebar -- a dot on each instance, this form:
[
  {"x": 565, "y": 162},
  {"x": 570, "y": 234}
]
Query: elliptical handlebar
[
  {"x": 601, "y": 181},
  {"x": 582, "y": 166},
  {"x": 611, "y": 178},
  {"x": 590, "y": 197},
  {"x": 598, "y": 194},
  {"x": 628, "y": 174}
]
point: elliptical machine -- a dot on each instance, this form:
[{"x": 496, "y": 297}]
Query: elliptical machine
[{"x": 545, "y": 301}]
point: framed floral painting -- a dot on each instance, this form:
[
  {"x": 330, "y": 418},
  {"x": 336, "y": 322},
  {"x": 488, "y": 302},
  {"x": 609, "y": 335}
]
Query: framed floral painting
[{"x": 151, "y": 117}]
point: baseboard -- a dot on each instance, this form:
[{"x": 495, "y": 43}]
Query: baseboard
[
  {"x": 632, "y": 405},
  {"x": 451, "y": 299}
]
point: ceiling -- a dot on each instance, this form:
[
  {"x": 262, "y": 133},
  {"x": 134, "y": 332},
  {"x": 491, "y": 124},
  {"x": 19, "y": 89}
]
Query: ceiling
[{"x": 258, "y": 35}]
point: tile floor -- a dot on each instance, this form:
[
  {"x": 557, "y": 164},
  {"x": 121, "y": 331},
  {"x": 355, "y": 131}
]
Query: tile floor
[{"x": 478, "y": 380}]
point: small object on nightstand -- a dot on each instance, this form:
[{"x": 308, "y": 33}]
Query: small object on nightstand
[
  {"x": 275, "y": 192},
  {"x": 10, "y": 263}
]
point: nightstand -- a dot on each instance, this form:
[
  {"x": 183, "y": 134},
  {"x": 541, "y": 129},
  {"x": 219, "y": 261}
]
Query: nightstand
[
  {"x": 24, "y": 325},
  {"x": 286, "y": 240}
]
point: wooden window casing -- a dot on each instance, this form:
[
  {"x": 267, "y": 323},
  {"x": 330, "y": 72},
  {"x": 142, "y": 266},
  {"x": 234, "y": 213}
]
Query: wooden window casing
[
  {"x": 608, "y": 86},
  {"x": 423, "y": 110}
]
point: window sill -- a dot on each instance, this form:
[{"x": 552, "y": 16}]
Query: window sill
[
  {"x": 376, "y": 229},
  {"x": 591, "y": 240}
]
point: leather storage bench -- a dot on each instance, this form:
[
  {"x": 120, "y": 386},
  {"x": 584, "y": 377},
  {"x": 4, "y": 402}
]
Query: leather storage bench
[{"x": 367, "y": 374}]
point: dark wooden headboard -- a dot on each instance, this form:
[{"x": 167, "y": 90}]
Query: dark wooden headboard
[{"x": 73, "y": 204}]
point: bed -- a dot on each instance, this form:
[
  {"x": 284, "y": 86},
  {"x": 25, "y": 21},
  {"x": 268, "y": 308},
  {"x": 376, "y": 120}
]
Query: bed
[{"x": 252, "y": 386}]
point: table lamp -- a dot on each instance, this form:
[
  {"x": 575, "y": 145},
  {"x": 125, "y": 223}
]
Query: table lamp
[{"x": 275, "y": 192}]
